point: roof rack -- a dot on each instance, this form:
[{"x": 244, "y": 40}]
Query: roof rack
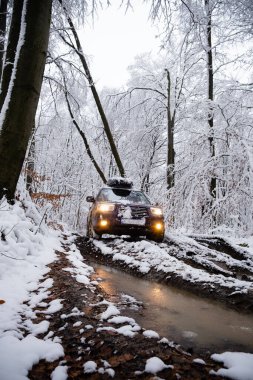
[{"x": 120, "y": 182}]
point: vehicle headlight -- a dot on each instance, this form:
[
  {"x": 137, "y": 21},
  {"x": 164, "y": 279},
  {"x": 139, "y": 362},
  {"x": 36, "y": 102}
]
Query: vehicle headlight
[
  {"x": 156, "y": 211},
  {"x": 159, "y": 226},
  {"x": 105, "y": 207}
]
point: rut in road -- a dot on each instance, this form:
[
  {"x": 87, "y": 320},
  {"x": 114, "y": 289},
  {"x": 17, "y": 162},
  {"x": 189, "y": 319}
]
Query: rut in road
[{"x": 184, "y": 263}]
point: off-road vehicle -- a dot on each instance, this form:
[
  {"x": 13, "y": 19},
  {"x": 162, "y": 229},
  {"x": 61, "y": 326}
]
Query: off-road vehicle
[{"x": 120, "y": 210}]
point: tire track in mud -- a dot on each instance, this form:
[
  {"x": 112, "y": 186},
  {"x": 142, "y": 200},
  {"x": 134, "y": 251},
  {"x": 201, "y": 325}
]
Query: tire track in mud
[
  {"x": 240, "y": 267},
  {"x": 239, "y": 301}
]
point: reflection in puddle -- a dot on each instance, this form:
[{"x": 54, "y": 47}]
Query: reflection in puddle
[
  {"x": 189, "y": 334},
  {"x": 180, "y": 316}
]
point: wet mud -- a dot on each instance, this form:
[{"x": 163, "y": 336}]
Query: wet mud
[
  {"x": 227, "y": 296},
  {"x": 126, "y": 356}
]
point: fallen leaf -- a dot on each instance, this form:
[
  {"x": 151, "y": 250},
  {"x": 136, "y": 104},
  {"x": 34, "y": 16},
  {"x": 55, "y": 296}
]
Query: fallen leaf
[{"x": 117, "y": 360}]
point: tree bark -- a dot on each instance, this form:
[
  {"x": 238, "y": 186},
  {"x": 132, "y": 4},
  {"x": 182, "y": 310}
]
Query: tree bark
[
  {"x": 30, "y": 161},
  {"x": 21, "y": 102},
  {"x": 3, "y": 17},
  {"x": 11, "y": 48}
]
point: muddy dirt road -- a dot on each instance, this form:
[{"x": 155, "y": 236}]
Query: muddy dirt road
[
  {"x": 197, "y": 324},
  {"x": 87, "y": 337},
  {"x": 211, "y": 268}
]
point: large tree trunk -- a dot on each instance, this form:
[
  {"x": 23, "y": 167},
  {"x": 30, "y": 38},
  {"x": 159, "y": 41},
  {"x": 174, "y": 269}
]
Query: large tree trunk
[
  {"x": 3, "y": 17},
  {"x": 23, "y": 93},
  {"x": 11, "y": 48}
]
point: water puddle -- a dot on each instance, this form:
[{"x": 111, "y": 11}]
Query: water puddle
[{"x": 191, "y": 321}]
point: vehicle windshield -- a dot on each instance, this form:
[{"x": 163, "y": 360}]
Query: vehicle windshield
[{"x": 122, "y": 196}]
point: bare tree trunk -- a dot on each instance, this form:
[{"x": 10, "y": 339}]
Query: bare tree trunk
[
  {"x": 11, "y": 48},
  {"x": 3, "y": 17},
  {"x": 107, "y": 129},
  {"x": 20, "y": 105},
  {"x": 210, "y": 89},
  {"x": 86, "y": 144},
  {"x": 170, "y": 138}
]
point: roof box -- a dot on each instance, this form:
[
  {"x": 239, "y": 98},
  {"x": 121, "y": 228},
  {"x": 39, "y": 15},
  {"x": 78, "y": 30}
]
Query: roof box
[{"x": 120, "y": 182}]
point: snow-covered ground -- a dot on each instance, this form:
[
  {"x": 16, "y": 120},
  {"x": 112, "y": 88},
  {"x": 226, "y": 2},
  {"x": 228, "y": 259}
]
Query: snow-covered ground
[
  {"x": 27, "y": 247},
  {"x": 25, "y": 251}
]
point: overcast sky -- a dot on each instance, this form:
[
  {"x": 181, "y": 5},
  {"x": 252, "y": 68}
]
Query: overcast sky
[{"x": 115, "y": 39}]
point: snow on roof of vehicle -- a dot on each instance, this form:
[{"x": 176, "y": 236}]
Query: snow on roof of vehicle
[{"x": 120, "y": 182}]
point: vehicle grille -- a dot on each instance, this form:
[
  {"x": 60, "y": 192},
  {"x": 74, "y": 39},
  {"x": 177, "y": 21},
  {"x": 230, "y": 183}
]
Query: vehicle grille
[{"x": 138, "y": 212}]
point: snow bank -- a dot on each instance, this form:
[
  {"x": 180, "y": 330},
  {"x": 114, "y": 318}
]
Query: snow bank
[
  {"x": 26, "y": 248},
  {"x": 239, "y": 365},
  {"x": 18, "y": 356}
]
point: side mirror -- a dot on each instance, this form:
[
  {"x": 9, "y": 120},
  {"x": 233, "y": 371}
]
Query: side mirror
[{"x": 90, "y": 199}]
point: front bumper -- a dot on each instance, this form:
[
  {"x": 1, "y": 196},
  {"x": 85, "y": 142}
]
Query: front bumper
[{"x": 109, "y": 224}]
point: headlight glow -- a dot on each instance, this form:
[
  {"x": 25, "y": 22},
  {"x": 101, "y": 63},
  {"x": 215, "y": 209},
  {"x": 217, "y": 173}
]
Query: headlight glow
[
  {"x": 105, "y": 207},
  {"x": 103, "y": 223},
  {"x": 158, "y": 226},
  {"x": 156, "y": 211}
]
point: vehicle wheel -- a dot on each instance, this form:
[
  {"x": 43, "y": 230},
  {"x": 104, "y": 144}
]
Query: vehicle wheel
[
  {"x": 91, "y": 233},
  {"x": 155, "y": 237}
]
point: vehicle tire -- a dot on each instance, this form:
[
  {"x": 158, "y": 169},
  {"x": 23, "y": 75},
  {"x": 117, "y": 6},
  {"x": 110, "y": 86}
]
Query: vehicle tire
[
  {"x": 91, "y": 233},
  {"x": 155, "y": 237}
]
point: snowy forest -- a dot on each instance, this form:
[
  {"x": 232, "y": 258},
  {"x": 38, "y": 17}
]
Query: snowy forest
[
  {"x": 170, "y": 290},
  {"x": 180, "y": 128}
]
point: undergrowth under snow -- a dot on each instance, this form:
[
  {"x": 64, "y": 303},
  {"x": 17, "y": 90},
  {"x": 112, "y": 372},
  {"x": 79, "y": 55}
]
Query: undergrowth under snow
[{"x": 26, "y": 248}]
